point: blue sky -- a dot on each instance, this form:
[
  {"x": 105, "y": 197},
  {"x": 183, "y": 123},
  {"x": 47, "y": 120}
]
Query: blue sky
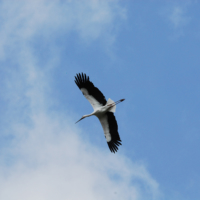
[{"x": 144, "y": 51}]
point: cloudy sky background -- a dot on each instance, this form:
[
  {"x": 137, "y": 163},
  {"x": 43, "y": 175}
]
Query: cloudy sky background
[{"x": 146, "y": 52}]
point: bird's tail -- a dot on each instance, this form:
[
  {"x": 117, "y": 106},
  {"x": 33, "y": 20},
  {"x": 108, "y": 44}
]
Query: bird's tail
[{"x": 113, "y": 108}]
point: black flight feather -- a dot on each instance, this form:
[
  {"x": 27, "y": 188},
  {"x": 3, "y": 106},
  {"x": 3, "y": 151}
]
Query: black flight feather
[{"x": 83, "y": 81}]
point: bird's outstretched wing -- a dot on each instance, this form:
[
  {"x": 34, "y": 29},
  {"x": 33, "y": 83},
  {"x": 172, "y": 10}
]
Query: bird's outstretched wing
[
  {"x": 91, "y": 93},
  {"x": 110, "y": 128}
]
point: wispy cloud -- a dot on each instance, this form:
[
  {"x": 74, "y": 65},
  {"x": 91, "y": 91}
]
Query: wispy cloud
[
  {"x": 178, "y": 17},
  {"x": 47, "y": 158},
  {"x": 88, "y": 19},
  {"x": 27, "y": 23},
  {"x": 50, "y": 160}
]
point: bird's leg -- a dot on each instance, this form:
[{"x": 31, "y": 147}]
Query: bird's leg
[{"x": 115, "y": 103}]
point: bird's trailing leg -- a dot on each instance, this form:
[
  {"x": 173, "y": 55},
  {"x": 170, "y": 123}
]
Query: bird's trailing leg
[{"x": 115, "y": 103}]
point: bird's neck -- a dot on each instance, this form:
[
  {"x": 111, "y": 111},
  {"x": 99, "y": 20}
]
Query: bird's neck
[{"x": 88, "y": 115}]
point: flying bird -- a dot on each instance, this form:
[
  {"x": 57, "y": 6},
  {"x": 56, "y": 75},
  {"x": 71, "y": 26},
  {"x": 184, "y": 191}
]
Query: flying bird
[{"x": 102, "y": 109}]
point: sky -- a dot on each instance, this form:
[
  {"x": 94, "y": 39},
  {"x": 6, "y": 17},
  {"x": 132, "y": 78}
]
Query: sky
[{"x": 144, "y": 51}]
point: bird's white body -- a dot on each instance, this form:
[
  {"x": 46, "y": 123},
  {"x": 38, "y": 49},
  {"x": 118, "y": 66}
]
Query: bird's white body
[
  {"x": 103, "y": 110},
  {"x": 99, "y": 111}
]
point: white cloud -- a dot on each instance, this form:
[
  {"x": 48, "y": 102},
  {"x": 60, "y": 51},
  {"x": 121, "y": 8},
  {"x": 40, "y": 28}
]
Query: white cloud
[
  {"x": 24, "y": 22},
  {"x": 177, "y": 17},
  {"x": 47, "y": 157},
  {"x": 90, "y": 19},
  {"x": 50, "y": 160}
]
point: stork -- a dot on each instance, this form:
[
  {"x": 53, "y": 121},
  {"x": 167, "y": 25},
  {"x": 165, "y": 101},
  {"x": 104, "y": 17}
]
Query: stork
[{"x": 103, "y": 110}]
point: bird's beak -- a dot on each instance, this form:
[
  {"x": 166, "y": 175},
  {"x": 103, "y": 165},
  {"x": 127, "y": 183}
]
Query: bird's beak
[{"x": 79, "y": 120}]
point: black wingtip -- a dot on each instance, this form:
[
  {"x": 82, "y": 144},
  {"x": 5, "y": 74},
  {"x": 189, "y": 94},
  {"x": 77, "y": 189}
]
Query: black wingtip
[
  {"x": 113, "y": 145},
  {"x": 81, "y": 79}
]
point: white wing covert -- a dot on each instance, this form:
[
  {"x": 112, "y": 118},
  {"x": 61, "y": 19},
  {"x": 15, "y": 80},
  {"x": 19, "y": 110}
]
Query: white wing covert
[{"x": 95, "y": 104}]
